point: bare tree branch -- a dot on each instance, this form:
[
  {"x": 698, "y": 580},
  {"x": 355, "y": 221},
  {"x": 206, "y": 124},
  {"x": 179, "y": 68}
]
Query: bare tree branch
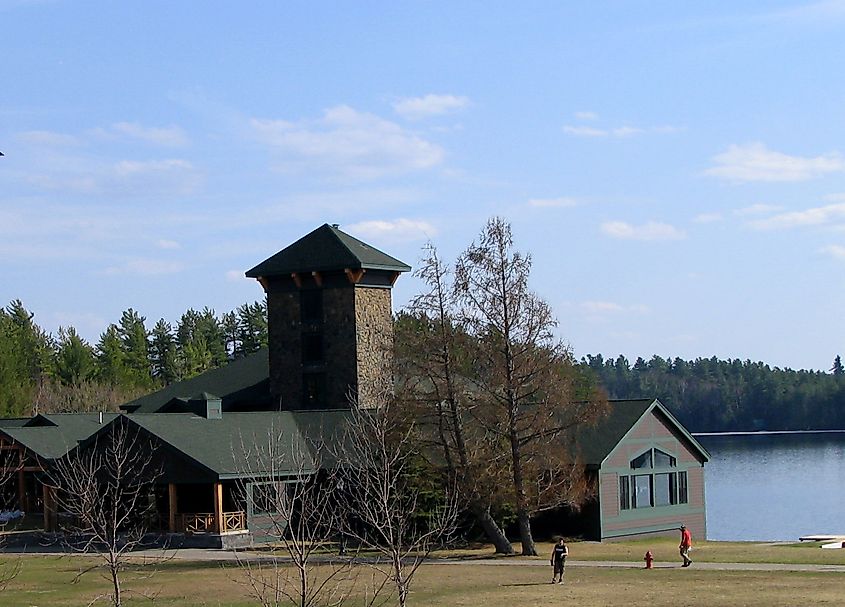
[{"x": 105, "y": 491}]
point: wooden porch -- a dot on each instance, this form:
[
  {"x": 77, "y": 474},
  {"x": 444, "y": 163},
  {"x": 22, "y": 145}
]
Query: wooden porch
[{"x": 217, "y": 521}]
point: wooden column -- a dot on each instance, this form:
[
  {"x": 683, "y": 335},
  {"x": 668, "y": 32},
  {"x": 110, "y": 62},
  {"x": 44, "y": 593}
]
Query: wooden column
[
  {"x": 49, "y": 508},
  {"x": 171, "y": 507},
  {"x": 22, "y": 501},
  {"x": 218, "y": 507}
]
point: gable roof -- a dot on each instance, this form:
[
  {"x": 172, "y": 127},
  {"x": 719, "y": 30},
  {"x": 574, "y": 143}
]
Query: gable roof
[
  {"x": 243, "y": 382},
  {"x": 51, "y": 436},
  {"x": 225, "y": 447},
  {"x": 325, "y": 249},
  {"x": 596, "y": 442}
]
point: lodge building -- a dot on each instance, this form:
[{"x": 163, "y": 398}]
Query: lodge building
[{"x": 330, "y": 327}]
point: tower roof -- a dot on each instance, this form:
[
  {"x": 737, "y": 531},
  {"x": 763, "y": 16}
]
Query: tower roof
[{"x": 326, "y": 249}]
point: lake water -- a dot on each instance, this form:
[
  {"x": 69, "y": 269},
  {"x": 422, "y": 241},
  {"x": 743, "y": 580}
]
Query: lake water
[{"x": 774, "y": 486}]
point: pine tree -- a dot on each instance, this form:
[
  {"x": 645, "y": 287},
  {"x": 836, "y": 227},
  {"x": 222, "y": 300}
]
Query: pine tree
[
  {"x": 163, "y": 352},
  {"x": 74, "y": 361},
  {"x": 134, "y": 341}
]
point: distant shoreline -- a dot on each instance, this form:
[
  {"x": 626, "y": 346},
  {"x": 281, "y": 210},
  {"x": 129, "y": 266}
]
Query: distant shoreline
[{"x": 767, "y": 432}]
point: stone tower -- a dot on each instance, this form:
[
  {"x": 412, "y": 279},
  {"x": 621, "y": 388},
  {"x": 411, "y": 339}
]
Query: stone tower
[{"x": 330, "y": 320}]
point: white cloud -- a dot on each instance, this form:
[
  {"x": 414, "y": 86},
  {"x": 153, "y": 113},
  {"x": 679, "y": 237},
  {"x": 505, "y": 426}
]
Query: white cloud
[
  {"x": 584, "y": 131},
  {"x": 825, "y": 11},
  {"x": 626, "y": 131},
  {"x": 562, "y": 202},
  {"x": 757, "y": 209},
  {"x": 651, "y": 230},
  {"x": 47, "y": 138},
  {"x": 398, "y": 230},
  {"x": 818, "y": 216},
  {"x": 236, "y": 276},
  {"x": 755, "y": 162},
  {"x": 168, "y": 136},
  {"x": 416, "y": 108},
  {"x": 167, "y": 244},
  {"x": 131, "y": 178},
  {"x": 353, "y": 144},
  {"x": 708, "y": 218},
  {"x": 586, "y": 116},
  {"x": 616, "y": 132},
  {"x": 601, "y": 310},
  {"x": 146, "y": 267},
  {"x": 834, "y": 250}
]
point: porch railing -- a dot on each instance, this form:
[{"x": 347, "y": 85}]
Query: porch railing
[{"x": 203, "y": 522}]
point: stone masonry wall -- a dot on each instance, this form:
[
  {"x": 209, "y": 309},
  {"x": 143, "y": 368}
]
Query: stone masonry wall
[
  {"x": 374, "y": 329},
  {"x": 285, "y": 349},
  {"x": 341, "y": 370}
]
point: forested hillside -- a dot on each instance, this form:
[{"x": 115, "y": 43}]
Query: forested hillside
[
  {"x": 52, "y": 373},
  {"x": 709, "y": 394}
]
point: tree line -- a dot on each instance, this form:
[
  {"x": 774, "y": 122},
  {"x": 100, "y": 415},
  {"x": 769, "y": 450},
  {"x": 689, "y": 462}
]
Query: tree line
[
  {"x": 714, "y": 395},
  {"x": 41, "y": 372}
]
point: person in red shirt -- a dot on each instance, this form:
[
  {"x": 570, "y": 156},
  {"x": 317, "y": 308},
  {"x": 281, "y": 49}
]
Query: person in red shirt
[{"x": 685, "y": 545}]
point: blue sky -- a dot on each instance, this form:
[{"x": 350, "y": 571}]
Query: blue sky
[{"x": 676, "y": 169}]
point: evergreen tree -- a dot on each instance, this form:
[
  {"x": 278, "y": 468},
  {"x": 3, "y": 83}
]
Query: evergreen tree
[
  {"x": 111, "y": 359},
  {"x": 163, "y": 353},
  {"x": 135, "y": 343},
  {"x": 252, "y": 327},
  {"x": 837, "y": 368},
  {"x": 74, "y": 361}
]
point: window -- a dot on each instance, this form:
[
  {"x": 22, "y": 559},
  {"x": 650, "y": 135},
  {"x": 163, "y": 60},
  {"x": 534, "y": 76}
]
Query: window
[
  {"x": 313, "y": 390},
  {"x": 663, "y": 460},
  {"x": 311, "y": 306},
  {"x": 312, "y": 348},
  {"x": 642, "y": 491},
  {"x": 663, "y": 487},
  {"x": 624, "y": 492},
  {"x": 662, "y": 490},
  {"x": 643, "y": 461}
]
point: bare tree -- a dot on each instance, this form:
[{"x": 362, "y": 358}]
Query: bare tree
[
  {"x": 294, "y": 497},
  {"x": 11, "y": 463},
  {"x": 523, "y": 391},
  {"x": 383, "y": 499},
  {"x": 105, "y": 490},
  {"x": 434, "y": 347}
]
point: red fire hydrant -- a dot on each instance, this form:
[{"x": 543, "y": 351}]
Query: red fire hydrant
[{"x": 649, "y": 559}]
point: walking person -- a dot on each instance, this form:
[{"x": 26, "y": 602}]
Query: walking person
[
  {"x": 685, "y": 546},
  {"x": 559, "y": 553}
]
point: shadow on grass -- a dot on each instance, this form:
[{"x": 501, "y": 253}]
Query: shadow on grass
[{"x": 529, "y": 584}]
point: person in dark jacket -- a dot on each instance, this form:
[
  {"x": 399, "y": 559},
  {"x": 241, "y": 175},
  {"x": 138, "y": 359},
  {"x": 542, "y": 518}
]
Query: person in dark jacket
[{"x": 559, "y": 554}]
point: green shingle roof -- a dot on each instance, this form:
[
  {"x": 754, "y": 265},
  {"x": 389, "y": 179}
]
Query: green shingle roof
[
  {"x": 242, "y": 384},
  {"x": 594, "y": 443},
  {"x": 52, "y": 436},
  {"x": 226, "y": 447},
  {"x": 326, "y": 249}
]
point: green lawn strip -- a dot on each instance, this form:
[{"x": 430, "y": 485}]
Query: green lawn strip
[
  {"x": 666, "y": 550},
  {"x": 47, "y": 580}
]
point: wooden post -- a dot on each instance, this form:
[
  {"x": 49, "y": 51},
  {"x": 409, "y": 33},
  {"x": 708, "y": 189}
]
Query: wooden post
[
  {"x": 218, "y": 507},
  {"x": 171, "y": 507},
  {"x": 22, "y": 502},
  {"x": 49, "y": 508}
]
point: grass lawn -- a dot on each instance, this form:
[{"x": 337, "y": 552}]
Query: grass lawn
[
  {"x": 47, "y": 581},
  {"x": 666, "y": 550}
]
